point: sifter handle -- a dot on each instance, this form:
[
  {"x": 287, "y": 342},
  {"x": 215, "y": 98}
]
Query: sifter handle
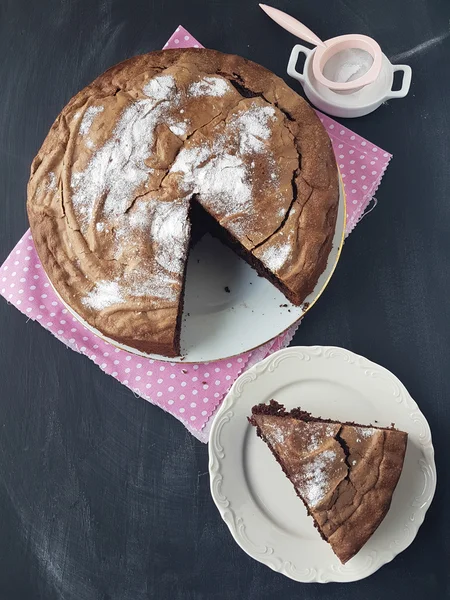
[{"x": 292, "y": 25}]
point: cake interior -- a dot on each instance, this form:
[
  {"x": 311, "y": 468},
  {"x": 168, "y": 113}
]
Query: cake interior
[{"x": 203, "y": 222}]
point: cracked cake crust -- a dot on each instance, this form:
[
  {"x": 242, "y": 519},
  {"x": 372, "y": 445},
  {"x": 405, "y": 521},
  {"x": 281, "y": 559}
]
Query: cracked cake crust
[
  {"x": 344, "y": 473},
  {"x": 111, "y": 190}
]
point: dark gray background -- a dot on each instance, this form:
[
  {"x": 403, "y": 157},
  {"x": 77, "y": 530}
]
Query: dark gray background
[{"x": 103, "y": 496}]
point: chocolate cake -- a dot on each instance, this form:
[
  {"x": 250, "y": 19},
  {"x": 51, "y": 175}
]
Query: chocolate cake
[
  {"x": 112, "y": 189},
  {"x": 345, "y": 473}
]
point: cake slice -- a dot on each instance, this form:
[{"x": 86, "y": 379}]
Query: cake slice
[{"x": 345, "y": 473}]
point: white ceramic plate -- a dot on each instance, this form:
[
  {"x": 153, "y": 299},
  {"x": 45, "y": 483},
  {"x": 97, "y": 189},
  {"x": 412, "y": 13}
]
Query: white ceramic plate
[
  {"x": 218, "y": 324},
  {"x": 257, "y": 501}
]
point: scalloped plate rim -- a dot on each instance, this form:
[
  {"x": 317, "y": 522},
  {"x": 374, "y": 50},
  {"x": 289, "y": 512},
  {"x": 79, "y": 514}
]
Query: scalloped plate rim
[{"x": 223, "y": 503}]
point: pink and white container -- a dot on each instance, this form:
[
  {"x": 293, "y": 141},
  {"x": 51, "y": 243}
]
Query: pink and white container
[
  {"x": 345, "y": 76},
  {"x": 350, "y": 99}
]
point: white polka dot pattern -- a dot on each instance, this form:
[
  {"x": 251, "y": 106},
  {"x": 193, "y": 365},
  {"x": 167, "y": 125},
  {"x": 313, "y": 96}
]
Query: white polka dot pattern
[
  {"x": 355, "y": 155},
  {"x": 189, "y": 392},
  {"x": 172, "y": 386}
]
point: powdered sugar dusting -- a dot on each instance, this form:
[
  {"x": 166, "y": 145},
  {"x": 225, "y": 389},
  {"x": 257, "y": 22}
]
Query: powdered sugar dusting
[
  {"x": 143, "y": 281},
  {"x": 118, "y": 168},
  {"x": 253, "y": 129},
  {"x": 313, "y": 483},
  {"x": 237, "y": 227},
  {"x": 219, "y": 172},
  {"x": 275, "y": 256},
  {"x": 317, "y": 432},
  {"x": 216, "y": 175},
  {"x": 314, "y": 443},
  {"x": 209, "y": 86},
  {"x": 179, "y": 128},
  {"x": 160, "y": 88},
  {"x": 163, "y": 226},
  {"x": 273, "y": 432},
  {"x": 138, "y": 217},
  {"x": 88, "y": 118},
  {"x": 169, "y": 229},
  {"x": 51, "y": 185},
  {"x": 103, "y": 295},
  {"x": 117, "y": 173},
  {"x": 365, "y": 432}
]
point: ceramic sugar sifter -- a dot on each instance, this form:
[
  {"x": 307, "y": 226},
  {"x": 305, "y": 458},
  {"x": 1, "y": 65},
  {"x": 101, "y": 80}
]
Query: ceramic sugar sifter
[{"x": 345, "y": 76}]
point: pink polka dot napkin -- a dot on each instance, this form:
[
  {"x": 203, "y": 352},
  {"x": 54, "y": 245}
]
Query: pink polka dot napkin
[{"x": 190, "y": 392}]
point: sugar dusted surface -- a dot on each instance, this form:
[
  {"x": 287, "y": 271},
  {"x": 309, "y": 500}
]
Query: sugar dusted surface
[
  {"x": 274, "y": 433},
  {"x": 252, "y": 127},
  {"x": 209, "y": 86},
  {"x": 313, "y": 436},
  {"x": 219, "y": 173},
  {"x": 275, "y": 256},
  {"x": 313, "y": 481},
  {"x": 169, "y": 230},
  {"x": 165, "y": 224},
  {"x": 160, "y": 88},
  {"x": 365, "y": 432},
  {"x": 223, "y": 179},
  {"x": 316, "y": 433},
  {"x": 179, "y": 128},
  {"x": 118, "y": 168},
  {"x": 51, "y": 185},
  {"x": 88, "y": 118},
  {"x": 103, "y": 295}
]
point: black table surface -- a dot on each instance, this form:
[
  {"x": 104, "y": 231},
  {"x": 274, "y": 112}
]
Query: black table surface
[{"x": 103, "y": 496}]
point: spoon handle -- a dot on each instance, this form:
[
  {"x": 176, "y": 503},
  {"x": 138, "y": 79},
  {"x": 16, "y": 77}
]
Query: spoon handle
[{"x": 292, "y": 25}]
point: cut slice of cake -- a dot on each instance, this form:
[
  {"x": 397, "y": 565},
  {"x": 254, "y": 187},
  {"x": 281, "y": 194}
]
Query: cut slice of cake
[{"x": 345, "y": 473}]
